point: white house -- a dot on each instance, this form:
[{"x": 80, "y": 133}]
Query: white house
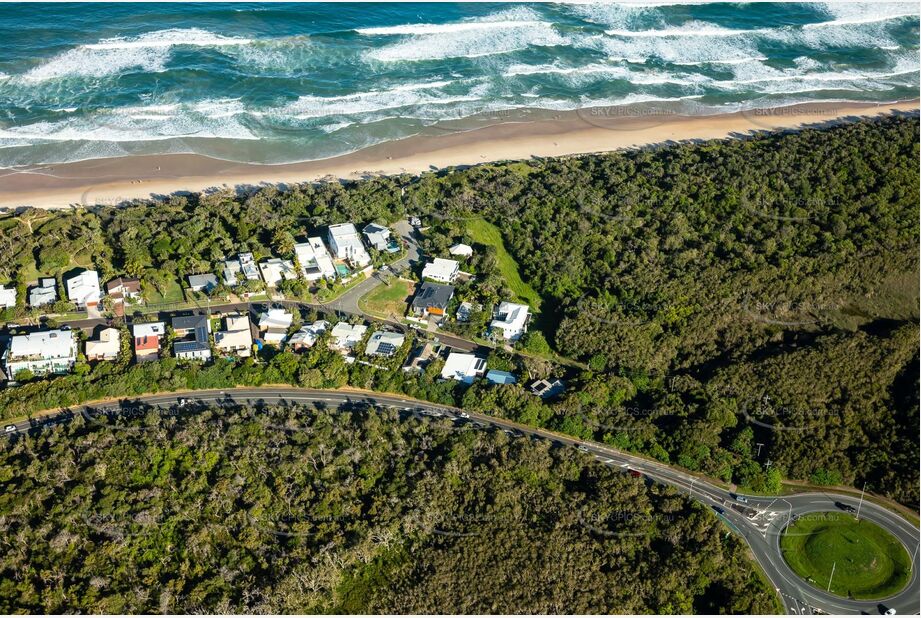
[
  {"x": 462, "y": 250},
  {"x": 106, "y": 347},
  {"x": 441, "y": 270},
  {"x": 236, "y": 337},
  {"x": 275, "y": 270},
  {"x": 308, "y": 335},
  {"x": 315, "y": 260},
  {"x": 463, "y": 367},
  {"x": 50, "y": 351},
  {"x": 7, "y": 297},
  {"x": 378, "y": 236},
  {"x": 45, "y": 293},
  {"x": 83, "y": 289},
  {"x": 244, "y": 265},
  {"x": 346, "y": 244},
  {"x": 274, "y": 325},
  {"x": 511, "y": 320},
  {"x": 384, "y": 343},
  {"x": 346, "y": 335}
]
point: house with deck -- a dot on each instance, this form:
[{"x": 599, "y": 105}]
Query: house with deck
[
  {"x": 41, "y": 352},
  {"x": 346, "y": 245},
  {"x": 441, "y": 270},
  {"x": 314, "y": 259},
  {"x": 510, "y": 320}
]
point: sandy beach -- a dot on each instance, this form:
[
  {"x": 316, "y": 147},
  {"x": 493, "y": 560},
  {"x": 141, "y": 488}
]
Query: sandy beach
[{"x": 118, "y": 180}]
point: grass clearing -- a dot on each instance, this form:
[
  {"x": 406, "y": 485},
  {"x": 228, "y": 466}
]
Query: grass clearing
[
  {"x": 868, "y": 562},
  {"x": 486, "y": 233},
  {"x": 172, "y": 294},
  {"x": 390, "y": 300}
]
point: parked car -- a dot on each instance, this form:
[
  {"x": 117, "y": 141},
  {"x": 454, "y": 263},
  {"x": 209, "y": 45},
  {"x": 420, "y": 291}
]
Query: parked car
[{"x": 9, "y": 428}]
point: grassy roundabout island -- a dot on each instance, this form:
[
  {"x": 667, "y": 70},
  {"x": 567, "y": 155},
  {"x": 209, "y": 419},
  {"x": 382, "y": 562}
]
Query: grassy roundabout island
[{"x": 869, "y": 563}]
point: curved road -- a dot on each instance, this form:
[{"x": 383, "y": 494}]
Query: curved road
[{"x": 760, "y": 522}]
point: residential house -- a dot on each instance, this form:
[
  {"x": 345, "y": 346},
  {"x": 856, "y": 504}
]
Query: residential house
[
  {"x": 439, "y": 269},
  {"x": 345, "y": 336},
  {"x": 121, "y": 289},
  {"x": 236, "y": 339},
  {"x": 314, "y": 259},
  {"x": 194, "y": 331},
  {"x": 43, "y": 352},
  {"x": 274, "y": 325},
  {"x": 106, "y": 347},
  {"x": 346, "y": 245},
  {"x": 432, "y": 299},
  {"x": 546, "y": 389},
  {"x": 83, "y": 289},
  {"x": 7, "y": 297},
  {"x": 420, "y": 357},
  {"x": 465, "y": 309},
  {"x": 308, "y": 335},
  {"x": 379, "y": 237},
  {"x": 124, "y": 288},
  {"x": 233, "y": 273},
  {"x": 147, "y": 340},
  {"x": 276, "y": 270},
  {"x": 462, "y": 250},
  {"x": 204, "y": 282},
  {"x": 500, "y": 377},
  {"x": 463, "y": 367},
  {"x": 45, "y": 293},
  {"x": 243, "y": 267},
  {"x": 384, "y": 343},
  {"x": 511, "y": 320}
]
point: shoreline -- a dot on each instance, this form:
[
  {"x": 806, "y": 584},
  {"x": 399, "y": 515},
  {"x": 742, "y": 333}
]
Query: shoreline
[{"x": 113, "y": 181}]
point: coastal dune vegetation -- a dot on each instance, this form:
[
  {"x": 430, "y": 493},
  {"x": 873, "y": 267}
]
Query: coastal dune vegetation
[{"x": 302, "y": 510}]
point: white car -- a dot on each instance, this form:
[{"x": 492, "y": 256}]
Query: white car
[
  {"x": 463, "y": 415},
  {"x": 9, "y": 428}
]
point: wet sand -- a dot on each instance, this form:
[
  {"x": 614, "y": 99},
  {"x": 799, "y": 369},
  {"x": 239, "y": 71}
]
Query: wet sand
[{"x": 118, "y": 180}]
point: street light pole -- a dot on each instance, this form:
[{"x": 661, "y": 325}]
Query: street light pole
[
  {"x": 859, "y": 504},
  {"x": 833, "y": 564}
]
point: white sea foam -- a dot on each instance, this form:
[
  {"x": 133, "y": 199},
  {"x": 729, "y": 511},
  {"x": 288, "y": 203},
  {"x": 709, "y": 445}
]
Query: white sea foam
[
  {"x": 689, "y": 29},
  {"x": 148, "y": 52},
  {"x": 856, "y": 13},
  {"x": 518, "y": 29},
  {"x": 202, "y": 119},
  {"x": 426, "y": 29},
  {"x": 191, "y": 37},
  {"x": 373, "y": 101}
]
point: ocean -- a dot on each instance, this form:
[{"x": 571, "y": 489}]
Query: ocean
[{"x": 274, "y": 83}]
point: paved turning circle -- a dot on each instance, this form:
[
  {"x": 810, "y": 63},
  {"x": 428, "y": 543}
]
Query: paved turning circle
[{"x": 855, "y": 559}]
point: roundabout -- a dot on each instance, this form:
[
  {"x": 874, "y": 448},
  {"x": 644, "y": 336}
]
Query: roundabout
[{"x": 853, "y": 559}]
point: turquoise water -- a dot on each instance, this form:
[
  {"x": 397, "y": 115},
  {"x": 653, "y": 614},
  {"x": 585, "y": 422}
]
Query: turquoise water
[{"x": 276, "y": 83}]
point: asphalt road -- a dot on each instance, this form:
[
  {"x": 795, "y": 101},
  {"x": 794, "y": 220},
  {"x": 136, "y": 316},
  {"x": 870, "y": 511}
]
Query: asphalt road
[{"x": 761, "y": 527}]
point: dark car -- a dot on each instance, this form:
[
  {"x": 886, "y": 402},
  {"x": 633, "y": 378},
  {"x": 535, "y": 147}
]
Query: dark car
[
  {"x": 635, "y": 474},
  {"x": 847, "y": 508}
]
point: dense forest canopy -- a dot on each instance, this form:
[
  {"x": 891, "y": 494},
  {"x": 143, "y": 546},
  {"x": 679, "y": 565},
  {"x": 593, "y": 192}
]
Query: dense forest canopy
[
  {"x": 719, "y": 293},
  {"x": 296, "y": 510}
]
